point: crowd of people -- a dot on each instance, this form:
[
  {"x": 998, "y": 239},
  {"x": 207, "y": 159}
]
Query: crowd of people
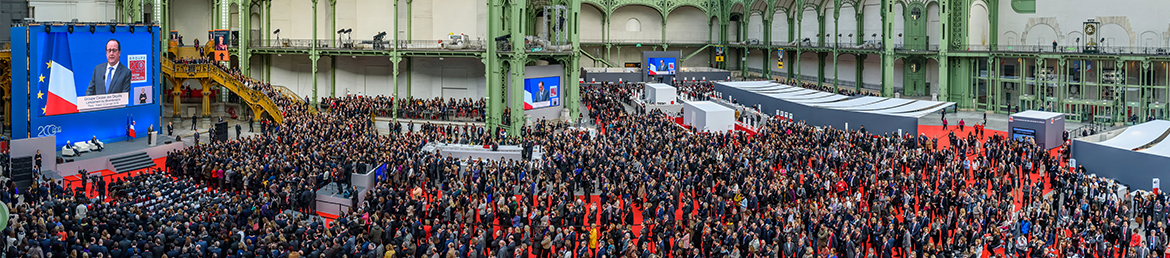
[
  {"x": 416, "y": 108},
  {"x": 641, "y": 186},
  {"x": 695, "y": 90}
]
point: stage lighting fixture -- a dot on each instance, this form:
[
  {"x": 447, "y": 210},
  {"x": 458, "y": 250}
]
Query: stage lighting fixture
[
  {"x": 92, "y": 28},
  {"x": 149, "y": 29},
  {"x": 132, "y": 29},
  {"x": 111, "y": 28},
  {"x": 70, "y": 28},
  {"x": 48, "y": 28}
]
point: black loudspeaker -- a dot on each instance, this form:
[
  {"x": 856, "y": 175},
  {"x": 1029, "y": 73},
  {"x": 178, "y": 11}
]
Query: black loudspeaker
[{"x": 221, "y": 131}]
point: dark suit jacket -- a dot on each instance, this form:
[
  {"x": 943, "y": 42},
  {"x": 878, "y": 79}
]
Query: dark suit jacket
[
  {"x": 120, "y": 83},
  {"x": 541, "y": 95}
]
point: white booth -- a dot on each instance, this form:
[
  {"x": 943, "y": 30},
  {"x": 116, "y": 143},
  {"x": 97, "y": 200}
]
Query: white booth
[
  {"x": 658, "y": 93},
  {"x": 708, "y": 116}
]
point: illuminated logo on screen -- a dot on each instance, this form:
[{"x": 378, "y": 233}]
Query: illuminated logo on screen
[
  {"x": 138, "y": 67},
  {"x": 48, "y": 130}
]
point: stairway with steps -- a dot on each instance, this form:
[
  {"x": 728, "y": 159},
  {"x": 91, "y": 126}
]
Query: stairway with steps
[
  {"x": 132, "y": 162},
  {"x": 22, "y": 172}
]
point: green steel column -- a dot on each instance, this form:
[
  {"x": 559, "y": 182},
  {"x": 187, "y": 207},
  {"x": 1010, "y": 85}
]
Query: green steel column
[
  {"x": 495, "y": 95},
  {"x": 605, "y": 23},
  {"x": 791, "y": 38},
  {"x": 821, "y": 67},
  {"x": 1119, "y": 99},
  {"x": 820, "y": 29},
  {"x": 313, "y": 54},
  {"x": 619, "y": 55},
  {"x": 333, "y": 76},
  {"x": 410, "y": 19},
  {"x": 993, "y": 18},
  {"x": 333, "y": 24},
  {"x": 888, "y": 48},
  {"x": 609, "y": 55},
  {"x": 409, "y": 75},
  {"x": 519, "y": 58},
  {"x": 215, "y": 22},
  {"x": 799, "y": 41},
  {"x": 860, "y": 71},
  {"x": 245, "y": 50},
  {"x": 267, "y": 27},
  {"x": 395, "y": 59},
  {"x": 944, "y": 70},
  {"x": 836, "y": 44},
  {"x": 1143, "y": 101},
  {"x": 573, "y": 94},
  {"x": 860, "y": 27},
  {"x": 394, "y": 44},
  {"x": 664, "y": 31},
  {"x": 516, "y": 94},
  {"x": 165, "y": 26},
  {"x": 1061, "y": 92},
  {"x": 767, "y": 67},
  {"x": 836, "y": 72}
]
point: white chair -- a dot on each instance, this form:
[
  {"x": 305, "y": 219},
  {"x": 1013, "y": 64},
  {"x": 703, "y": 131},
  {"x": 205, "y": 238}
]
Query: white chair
[
  {"x": 81, "y": 147},
  {"x": 94, "y": 147},
  {"x": 68, "y": 152}
]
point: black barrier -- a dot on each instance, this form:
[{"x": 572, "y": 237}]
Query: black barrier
[{"x": 221, "y": 131}]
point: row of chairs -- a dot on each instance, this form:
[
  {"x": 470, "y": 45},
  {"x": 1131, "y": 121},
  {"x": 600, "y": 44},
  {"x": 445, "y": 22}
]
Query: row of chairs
[{"x": 71, "y": 149}]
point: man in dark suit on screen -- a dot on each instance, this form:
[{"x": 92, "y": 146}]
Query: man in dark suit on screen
[
  {"x": 112, "y": 76},
  {"x": 541, "y": 93}
]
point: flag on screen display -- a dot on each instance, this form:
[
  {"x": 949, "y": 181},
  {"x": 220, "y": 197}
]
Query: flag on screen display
[{"x": 62, "y": 95}]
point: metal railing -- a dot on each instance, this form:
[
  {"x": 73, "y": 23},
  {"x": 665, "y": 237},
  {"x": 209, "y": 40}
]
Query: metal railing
[
  {"x": 361, "y": 44},
  {"x": 1048, "y": 48},
  {"x": 904, "y": 47},
  {"x": 598, "y": 41},
  {"x": 854, "y": 45}
]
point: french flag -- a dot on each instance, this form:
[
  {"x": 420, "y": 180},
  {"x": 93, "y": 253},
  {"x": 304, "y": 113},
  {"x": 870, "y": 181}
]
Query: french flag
[
  {"x": 130, "y": 125},
  {"x": 62, "y": 97}
]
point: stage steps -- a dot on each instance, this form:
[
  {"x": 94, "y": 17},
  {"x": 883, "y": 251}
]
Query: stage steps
[
  {"x": 132, "y": 162},
  {"x": 22, "y": 172}
]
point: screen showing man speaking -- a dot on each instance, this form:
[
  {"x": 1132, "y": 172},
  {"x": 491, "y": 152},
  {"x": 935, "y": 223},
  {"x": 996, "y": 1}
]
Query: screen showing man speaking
[
  {"x": 660, "y": 66},
  {"x": 542, "y": 92},
  {"x": 80, "y": 72}
]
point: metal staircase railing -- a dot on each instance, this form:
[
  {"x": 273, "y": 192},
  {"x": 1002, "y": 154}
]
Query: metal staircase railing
[
  {"x": 194, "y": 71},
  {"x": 288, "y": 93}
]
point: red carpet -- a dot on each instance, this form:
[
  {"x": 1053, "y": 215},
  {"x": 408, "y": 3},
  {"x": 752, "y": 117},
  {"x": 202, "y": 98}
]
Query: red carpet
[{"x": 74, "y": 181}]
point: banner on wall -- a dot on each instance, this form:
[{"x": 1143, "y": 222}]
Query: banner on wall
[
  {"x": 220, "y": 40},
  {"x": 779, "y": 58},
  {"x": 719, "y": 55}
]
